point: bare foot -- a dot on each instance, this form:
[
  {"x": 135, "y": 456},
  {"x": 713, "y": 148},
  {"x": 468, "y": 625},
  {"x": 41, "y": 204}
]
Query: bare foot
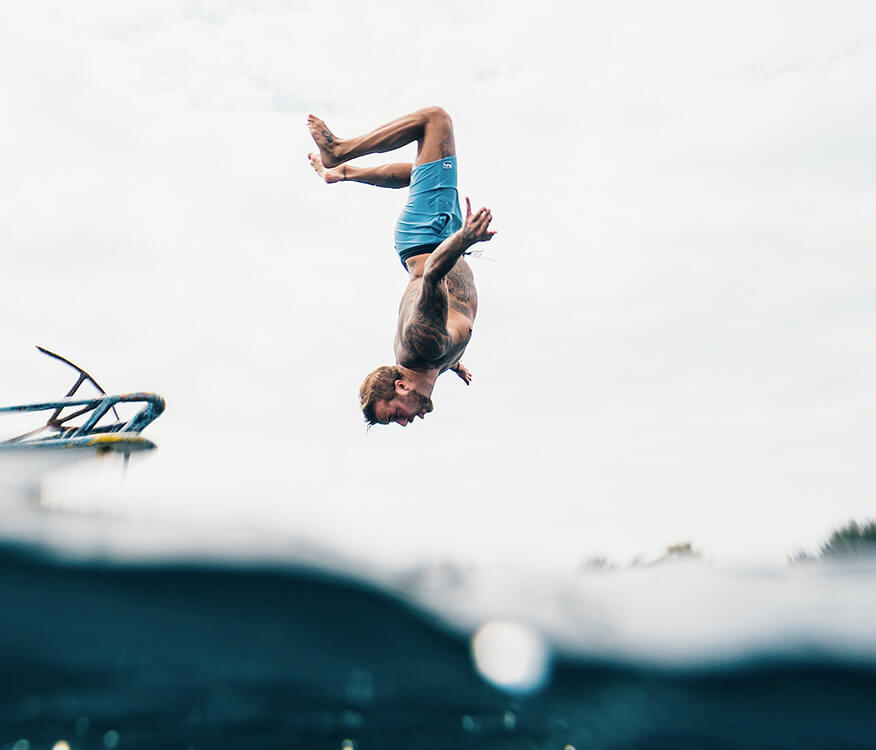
[
  {"x": 325, "y": 140},
  {"x": 335, "y": 174}
]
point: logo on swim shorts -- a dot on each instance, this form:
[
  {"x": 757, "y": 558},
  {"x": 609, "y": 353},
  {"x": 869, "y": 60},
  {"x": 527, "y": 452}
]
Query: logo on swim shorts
[{"x": 448, "y": 165}]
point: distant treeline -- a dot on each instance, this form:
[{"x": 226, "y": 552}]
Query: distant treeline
[
  {"x": 852, "y": 539},
  {"x": 855, "y": 539}
]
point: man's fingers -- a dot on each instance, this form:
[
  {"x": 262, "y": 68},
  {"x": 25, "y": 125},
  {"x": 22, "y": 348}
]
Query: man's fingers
[
  {"x": 481, "y": 230},
  {"x": 479, "y": 223}
]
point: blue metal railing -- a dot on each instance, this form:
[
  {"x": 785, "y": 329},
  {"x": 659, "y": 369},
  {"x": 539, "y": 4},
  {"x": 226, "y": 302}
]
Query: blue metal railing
[{"x": 95, "y": 409}]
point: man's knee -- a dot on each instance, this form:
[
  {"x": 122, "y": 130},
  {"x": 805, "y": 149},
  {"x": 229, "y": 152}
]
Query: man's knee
[
  {"x": 437, "y": 139},
  {"x": 437, "y": 116}
]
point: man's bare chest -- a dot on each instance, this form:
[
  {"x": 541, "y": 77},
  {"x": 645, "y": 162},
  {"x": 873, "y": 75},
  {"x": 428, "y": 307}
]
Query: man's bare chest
[{"x": 434, "y": 341}]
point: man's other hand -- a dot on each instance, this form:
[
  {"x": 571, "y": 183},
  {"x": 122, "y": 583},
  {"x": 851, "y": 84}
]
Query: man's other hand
[{"x": 461, "y": 370}]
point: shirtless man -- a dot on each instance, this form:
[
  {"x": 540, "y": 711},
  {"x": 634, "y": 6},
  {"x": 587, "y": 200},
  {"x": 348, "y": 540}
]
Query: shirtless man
[{"x": 439, "y": 305}]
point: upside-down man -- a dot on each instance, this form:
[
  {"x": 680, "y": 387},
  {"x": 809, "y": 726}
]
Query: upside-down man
[{"x": 439, "y": 305}]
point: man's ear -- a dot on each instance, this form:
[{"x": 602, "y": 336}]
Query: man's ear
[{"x": 402, "y": 388}]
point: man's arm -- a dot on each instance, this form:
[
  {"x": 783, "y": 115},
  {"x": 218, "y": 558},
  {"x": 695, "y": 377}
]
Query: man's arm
[
  {"x": 426, "y": 329},
  {"x": 475, "y": 229}
]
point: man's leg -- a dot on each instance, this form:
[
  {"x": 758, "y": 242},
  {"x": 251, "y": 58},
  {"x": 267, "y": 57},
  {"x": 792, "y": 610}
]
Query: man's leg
[
  {"x": 386, "y": 175},
  {"x": 430, "y": 127}
]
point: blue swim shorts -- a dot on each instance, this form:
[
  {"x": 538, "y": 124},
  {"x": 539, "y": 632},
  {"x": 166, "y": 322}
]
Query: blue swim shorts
[{"x": 432, "y": 212}]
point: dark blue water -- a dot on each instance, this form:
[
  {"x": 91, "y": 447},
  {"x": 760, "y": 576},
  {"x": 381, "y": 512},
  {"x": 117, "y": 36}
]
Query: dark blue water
[{"x": 207, "y": 656}]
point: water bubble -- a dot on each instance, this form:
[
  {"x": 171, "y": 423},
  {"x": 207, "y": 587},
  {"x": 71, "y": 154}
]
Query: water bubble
[
  {"x": 509, "y": 720},
  {"x": 470, "y": 724},
  {"x": 21, "y": 745},
  {"x": 111, "y": 739},
  {"x": 81, "y": 725},
  {"x": 511, "y": 656},
  {"x": 348, "y": 745},
  {"x": 61, "y": 745}
]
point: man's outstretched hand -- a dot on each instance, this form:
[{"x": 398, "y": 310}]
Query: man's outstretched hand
[
  {"x": 461, "y": 370},
  {"x": 477, "y": 226}
]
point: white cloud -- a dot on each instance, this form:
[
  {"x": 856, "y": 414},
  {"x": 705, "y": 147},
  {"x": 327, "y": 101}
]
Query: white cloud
[{"x": 674, "y": 323}]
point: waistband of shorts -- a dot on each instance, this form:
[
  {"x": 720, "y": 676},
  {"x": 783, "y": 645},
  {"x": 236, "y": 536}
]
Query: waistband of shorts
[
  {"x": 435, "y": 161},
  {"x": 410, "y": 252}
]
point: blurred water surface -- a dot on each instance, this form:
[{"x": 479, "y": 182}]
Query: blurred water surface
[{"x": 299, "y": 649}]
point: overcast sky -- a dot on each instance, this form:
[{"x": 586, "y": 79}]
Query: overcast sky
[{"x": 675, "y": 335}]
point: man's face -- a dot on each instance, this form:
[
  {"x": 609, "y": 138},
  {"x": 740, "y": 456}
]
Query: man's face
[{"x": 404, "y": 407}]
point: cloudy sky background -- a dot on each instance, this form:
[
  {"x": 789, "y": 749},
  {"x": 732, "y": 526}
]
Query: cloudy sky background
[{"x": 675, "y": 339}]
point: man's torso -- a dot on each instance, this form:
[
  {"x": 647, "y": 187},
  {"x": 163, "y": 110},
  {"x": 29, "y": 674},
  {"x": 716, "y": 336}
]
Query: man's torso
[{"x": 411, "y": 347}]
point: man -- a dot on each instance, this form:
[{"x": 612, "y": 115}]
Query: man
[{"x": 439, "y": 305}]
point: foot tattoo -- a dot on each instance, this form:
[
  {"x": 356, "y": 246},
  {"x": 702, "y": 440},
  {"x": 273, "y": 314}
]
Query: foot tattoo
[{"x": 325, "y": 140}]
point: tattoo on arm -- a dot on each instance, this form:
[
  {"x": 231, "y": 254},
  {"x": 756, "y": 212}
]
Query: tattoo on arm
[
  {"x": 427, "y": 340},
  {"x": 433, "y": 301},
  {"x": 427, "y": 329}
]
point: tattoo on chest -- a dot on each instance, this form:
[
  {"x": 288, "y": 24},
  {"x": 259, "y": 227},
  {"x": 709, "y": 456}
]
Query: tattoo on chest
[{"x": 459, "y": 288}]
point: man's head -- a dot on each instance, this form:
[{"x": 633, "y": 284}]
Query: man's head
[{"x": 386, "y": 396}]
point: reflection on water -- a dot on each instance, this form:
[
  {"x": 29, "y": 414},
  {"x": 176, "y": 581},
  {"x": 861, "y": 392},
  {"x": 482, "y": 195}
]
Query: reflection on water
[
  {"x": 104, "y": 655},
  {"x": 512, "y": 656}
]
